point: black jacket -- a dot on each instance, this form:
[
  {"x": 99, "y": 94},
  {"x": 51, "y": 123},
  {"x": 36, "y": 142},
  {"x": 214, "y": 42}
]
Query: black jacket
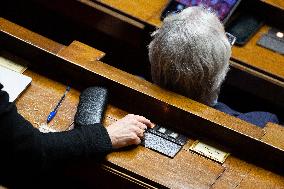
[{"x": 24, "y": 149}]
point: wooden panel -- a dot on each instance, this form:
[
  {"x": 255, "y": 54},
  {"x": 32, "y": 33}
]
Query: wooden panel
[
  {"x": 236, "y": 170},
  {"x": 78, "y": 51},
  {"x": 276, "y": 3},
  {"x": 239, "y": 174},
  {"x": 262, "y": 179},
  {"x": 144, "y": 10},
  {"x": 274, "y": 134},
  {"x": 29, "y": 36},
  {"x": 186, "y": 170}
]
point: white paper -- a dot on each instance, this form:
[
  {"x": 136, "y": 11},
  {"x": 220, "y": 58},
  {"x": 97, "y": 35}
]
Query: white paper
[{"x": 14, "y": 83}]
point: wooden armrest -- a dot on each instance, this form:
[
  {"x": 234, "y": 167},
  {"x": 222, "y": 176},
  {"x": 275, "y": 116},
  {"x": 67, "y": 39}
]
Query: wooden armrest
[
  {"x": 78, "y": 51},
  {"x": 29, "y": 36},
  {"x": 274, "y": 134}
]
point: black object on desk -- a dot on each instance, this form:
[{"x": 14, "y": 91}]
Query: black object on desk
[
  {"x": 92, "y": 106},
  {"x": 163, "y": 140},
  {"x": 223, "y": 8},
  {"x": 273, "y": 40},
  {"x": 244, "y": 27}
]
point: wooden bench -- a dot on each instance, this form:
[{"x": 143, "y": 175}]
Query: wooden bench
[{"x": 256, "y": 158}]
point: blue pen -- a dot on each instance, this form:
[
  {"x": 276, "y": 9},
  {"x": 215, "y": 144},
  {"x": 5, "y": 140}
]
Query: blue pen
[{"x": 53, "y": 113}]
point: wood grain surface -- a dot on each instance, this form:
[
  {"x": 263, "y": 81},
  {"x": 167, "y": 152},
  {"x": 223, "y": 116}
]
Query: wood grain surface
[
  {"x": 276, "y": 3},
  {"x": 29, "y": 36},
  {"x": 148, "y": 11},
  {"x": 187, "y": 169}
]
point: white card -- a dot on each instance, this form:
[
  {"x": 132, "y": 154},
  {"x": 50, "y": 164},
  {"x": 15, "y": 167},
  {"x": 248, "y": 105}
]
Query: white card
[{"x": 14, "y": 83}]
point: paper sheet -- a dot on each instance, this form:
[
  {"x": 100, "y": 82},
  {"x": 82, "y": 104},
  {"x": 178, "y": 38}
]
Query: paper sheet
[{"x": 14, "y": 83}]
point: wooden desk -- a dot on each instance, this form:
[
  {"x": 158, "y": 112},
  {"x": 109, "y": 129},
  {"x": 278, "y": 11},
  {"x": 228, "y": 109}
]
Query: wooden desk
[
  {"x": 146, "y": 11},
  {"x": 140, "y": 167},
  {"x": 185, "y": 170}
]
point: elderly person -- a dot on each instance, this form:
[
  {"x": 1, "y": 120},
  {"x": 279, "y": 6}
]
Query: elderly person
[{"x": 190, "y": 55}]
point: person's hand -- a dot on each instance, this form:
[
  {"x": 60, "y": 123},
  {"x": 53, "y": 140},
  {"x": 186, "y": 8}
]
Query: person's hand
[{"x": 128, "y": 130}]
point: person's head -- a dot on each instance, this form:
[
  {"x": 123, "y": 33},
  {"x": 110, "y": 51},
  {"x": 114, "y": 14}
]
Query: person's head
[{"x": 190, "y": 54}]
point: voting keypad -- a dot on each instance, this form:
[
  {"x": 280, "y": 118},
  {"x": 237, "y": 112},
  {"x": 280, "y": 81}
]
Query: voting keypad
[{"x": 163, "y": 140}]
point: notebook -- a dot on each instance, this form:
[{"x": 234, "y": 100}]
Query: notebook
[{"x": 14, "y": 83}]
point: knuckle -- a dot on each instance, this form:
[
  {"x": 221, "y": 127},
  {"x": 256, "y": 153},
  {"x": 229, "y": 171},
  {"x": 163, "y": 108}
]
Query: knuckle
[
  {"x": 135, "y": 140},
  {"x": 133, "y": 129},
  {"x": 133, "y": 136},
  {"x": 136, "y": 122}
]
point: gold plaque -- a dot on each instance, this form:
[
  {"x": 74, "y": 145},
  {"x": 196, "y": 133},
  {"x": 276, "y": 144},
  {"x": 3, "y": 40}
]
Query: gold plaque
[{"x": 209, "y": 151}]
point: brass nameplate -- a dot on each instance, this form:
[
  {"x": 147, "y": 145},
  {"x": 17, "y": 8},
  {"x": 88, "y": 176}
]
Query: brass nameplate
[{"x": 209, "y": 151}]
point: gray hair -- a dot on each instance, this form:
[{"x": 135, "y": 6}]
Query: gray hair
[{"x": 190, "y": 54}]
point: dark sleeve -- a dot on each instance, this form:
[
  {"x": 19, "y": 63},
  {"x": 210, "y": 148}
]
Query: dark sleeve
[
  {"x": 21, "y": 143},
  {"x": 257, "y": 117}
]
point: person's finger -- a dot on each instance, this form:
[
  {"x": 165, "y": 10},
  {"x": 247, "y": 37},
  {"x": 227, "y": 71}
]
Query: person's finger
[
  {"x": 144, "y": 120},
  {"x": 138, "y": 131},
  {"x": 136, "y": 141},
  {"x": 141, "y": 125}
]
